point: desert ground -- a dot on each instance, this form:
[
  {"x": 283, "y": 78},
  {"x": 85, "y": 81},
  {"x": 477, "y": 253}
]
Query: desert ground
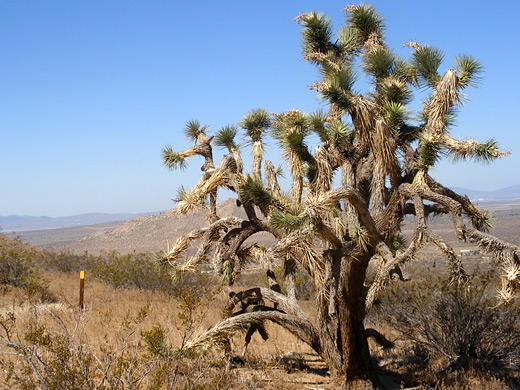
[{"x": 120, "y": 318}]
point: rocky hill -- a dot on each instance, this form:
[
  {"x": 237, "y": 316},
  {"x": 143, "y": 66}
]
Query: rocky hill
[
  {"x": 147, "y": 233},
  {"x": 9, "y": 244}
]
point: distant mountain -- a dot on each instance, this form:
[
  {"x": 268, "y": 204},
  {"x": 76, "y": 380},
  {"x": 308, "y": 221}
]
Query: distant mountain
[
  {"x": 157, "y": 232},
  {"x": 17, "y": 223},
  {"x": 503, "y": 194},
  {"x": 149, "y": 233},
  {"x": 22, "y": 223}
]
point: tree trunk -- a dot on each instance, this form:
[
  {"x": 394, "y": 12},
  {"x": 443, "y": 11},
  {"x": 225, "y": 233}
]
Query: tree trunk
[
  {"x": 356, "y": 373},
  {"x": 290, "y": 277},
  {"x": 257, "y": 160}
]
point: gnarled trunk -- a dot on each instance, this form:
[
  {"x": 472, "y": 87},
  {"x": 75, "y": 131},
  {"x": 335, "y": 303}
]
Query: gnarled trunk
[{"x": 356, "y": 372}]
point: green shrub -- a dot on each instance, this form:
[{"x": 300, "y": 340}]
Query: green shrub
[
  {"x": 18, "y": 268},
  {"x": 460, "y": 325},
  {"x": 65, "y": 261},
  {"x": 137, "y": 270}
]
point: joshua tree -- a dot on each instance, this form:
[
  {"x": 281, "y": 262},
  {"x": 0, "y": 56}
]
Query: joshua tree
[{"x": 349, "y": 195}]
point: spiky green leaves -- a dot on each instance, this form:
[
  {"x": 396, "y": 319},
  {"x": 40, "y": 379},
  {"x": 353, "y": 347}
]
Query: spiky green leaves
[
  {"x": 394, "y": 114},
  {"x": 317, "y": 124},
  {"x": 366, "y": 20},
  {"x": 392, "y": 95},
  {"x": 225, "y": 137},
  {"x": 278, "y": 172},
  {"x": 379, "y": 63},
  {"x": 255, "y": 123},
  {"x": 349, "y": 41},
  {"x": 172, "y": 160},
  {"x": 487, "y": 151},
  {"x": 193, "y": 129},
  {"x": 427, "y": 60},
  {"x": 293, "y": 142},
  {"x": 393, "y": 90},
  {"x": 360, "y": 235},
  {"x": 291, "y": 220},
  {"x": 339, "y": 134},
  {"x": 396, "y": 242},
  {"x": 483, "y": 221},
  {"x": 292, "y": 120},
  {"x": 391, "y": 75},
  {"x": 428, "y": 152},
  {"x": 182, "y": 194},
  {"x": 185, "y": 196},
  {"x": 404, "y": 71},
  {"x": 252, "y": 190},
  {"x": 339, "y": 83},
  {"x": 289, "y": 129},
  {"x": 317, "y": 35},
  {"x": 481, "y": 152},
  {"x": 468, "y": 71}
]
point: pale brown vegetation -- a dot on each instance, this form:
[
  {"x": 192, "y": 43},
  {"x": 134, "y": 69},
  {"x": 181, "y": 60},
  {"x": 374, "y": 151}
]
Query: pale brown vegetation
[{"x": 143, "y": 317}]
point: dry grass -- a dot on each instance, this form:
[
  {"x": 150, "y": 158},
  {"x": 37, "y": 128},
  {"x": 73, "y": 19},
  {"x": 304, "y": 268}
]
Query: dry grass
[{"x": 281, "y": 362}]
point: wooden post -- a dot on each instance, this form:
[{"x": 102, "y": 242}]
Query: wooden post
[{"x": 81, "y": 288}]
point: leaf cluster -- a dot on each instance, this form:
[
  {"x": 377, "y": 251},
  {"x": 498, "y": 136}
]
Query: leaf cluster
[
  {"x": 349, "y": 41},
  {"x": 379, "y": 63},
  {"x": 483, "y": 221},
  {"x": 339, "y": 133},
  {"x": 252, "y": 190},
  {"x": 256, "y": 122},
  {"x": 289, "y": 220},
  {"x": 394, "y": 114},
  {"x": 173, "y": 160},
  {"x": 336, "y": 132},
  {"x": 225, "y": 137},
  {"x": 366, "y": 20},
  {"x": 317, "y": 124},
  {"x": 289, "y": 130},
  {"x": 193, "y": 129},
  {"x": 339, "y": 83},
  {"x": 427, "y": 153},
  {"x": 427, "y": 60},
  {"x": 468, "y": 71},
  {"x": 187, "y": 196},
  {"x": 317, "y": 34},
  {"x": 481, "y": 152},
  {"x": 393, "y": 89}
]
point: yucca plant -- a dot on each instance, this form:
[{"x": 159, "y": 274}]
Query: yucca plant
[
  {"x": 225, "y": 137},
  {"x": 333, "y": 232},
  {"x": 256, "y": 123}
]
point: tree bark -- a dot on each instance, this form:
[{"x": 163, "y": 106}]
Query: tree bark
[
  {"x": 257, "y": 160},
  {"x": 356, "y": 373}
]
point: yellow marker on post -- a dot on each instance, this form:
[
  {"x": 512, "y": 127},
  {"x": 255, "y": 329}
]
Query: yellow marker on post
[{"x": 81, "y": 288}]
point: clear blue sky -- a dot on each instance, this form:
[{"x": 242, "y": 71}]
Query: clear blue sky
[{"x": 92, "y": 90}]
